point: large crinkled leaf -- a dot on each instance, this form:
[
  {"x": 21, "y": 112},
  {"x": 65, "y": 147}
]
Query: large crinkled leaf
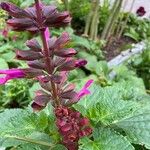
[
  {"x": 105, "y": 139},
  {"x": 19, "y": 126},
  {"x": 105, "y": 105},
  {"x": 111, "y": 140},
  {"x": 41, "y": 137},
  {"x": 17, "y": 122},
  {"x": 137, "y": 127},
  {"x": 133, "y": 89}
]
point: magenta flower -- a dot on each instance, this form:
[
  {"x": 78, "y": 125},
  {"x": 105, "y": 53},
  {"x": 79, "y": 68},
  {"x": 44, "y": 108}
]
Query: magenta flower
[
  {"x": 75, "y": 97},
  {"x": 84, "y": 91},
  {"x": 19, "y": 73},
  {"x": 141, "y": 11},
  {"x": 11, "y": 74}
]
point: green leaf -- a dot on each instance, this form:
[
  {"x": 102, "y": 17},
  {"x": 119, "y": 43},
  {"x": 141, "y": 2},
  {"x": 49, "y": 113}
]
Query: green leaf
[
  {"x": 42, "y": 120},
  {"x": 87, "y": 144},
  {"x": 105, "y": 139},
  {"x": 137, "y": 126},
  {"x": 3, "y": 64},
  {"x": 19, "y": 126},
  {"x": 105, "y": 105},
  {"x": 80, "y": 41},
  {"x": 5, "y": 47},
  {"x": 17, "y": 122},
  {"x": 111, "y": 140},
  {"x": 9, "y": 56}
]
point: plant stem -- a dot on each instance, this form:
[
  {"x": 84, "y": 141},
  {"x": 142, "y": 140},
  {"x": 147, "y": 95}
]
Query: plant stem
[
  {"x": 88, "y": 21},
  {"x": 46, "y": 53},
  {"x": 29, "y": 140},
  {"x": 126, "y": 20},
  {"x": 111, "y": 20},
  {"x": 121, "y": 18},
  {"x": 94, "y": 23}
]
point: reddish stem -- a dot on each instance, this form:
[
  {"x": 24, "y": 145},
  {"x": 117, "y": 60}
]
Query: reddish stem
[{"x": 46, "y": 52}]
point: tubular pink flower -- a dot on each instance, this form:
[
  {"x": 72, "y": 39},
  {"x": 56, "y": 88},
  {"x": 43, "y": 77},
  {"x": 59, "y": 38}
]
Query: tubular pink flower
[
  {"x": 11, "y": 74},
  {"x": 84, "y": 91}
]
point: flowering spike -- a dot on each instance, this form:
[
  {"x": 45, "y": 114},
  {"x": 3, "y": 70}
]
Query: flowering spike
[
  {"x": 28, "y": 19},
  {"x": 50, "y": 64}
]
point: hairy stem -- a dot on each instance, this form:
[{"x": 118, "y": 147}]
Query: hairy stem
[{"x": 46, "y": 53}]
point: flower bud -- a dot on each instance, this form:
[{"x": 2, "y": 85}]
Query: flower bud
[
  {"x": 36, "y": 64},
  {"x": 80, "y": 63},
  {"x": 72, "y": 64},
  {"x": 65, "y": 52},
  {"x": 34, "y": 45},
  {"x": 58, "y": 19},
  {"x": 61, "y": 41},
  {"x": 68, "y": 95},
  {"x": 40, "y": 102},
  {"x": 48, "y": 11},
  {"x": 28, "y": 55},
  {"x": 13, "y": 10},
  {"x": 21, "y": 24},
  {"x": 141, "y": 11}
]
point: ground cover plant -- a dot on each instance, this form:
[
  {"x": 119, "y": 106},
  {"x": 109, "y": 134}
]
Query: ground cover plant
[{"x": 55, "y": 99}]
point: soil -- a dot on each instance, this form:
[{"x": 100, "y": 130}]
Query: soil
[{"x": 115, "y": 46}]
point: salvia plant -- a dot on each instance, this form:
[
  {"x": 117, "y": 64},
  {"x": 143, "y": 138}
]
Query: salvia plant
[
  {"x": 115, "y": 117},
  {"x": 50, "y": 63}
]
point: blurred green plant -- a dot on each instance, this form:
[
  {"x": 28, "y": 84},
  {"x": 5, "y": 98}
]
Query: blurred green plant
[
  {"x": 141, "y": 65},
  {"x": 79, "y": 11},
  {"x": 137, "y": 29},
  {"x": 15, "y": 94}
]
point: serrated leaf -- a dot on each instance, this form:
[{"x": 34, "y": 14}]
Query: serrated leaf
[
  {"x": 111, "y": 140},
  {"x": 105, "y": 105},
  {"x": 17, "y": 122},
  {"x": 42, "y": 121},
  {"x": 137, "y": 127},
  {"x": 18, "y": 125}
]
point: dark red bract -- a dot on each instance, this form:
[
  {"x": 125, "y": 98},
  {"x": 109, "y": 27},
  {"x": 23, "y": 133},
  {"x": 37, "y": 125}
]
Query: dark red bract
[
  {"x": 72, "y": 126},
  {"x": 27, "y": 19}
]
